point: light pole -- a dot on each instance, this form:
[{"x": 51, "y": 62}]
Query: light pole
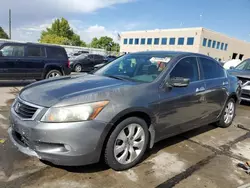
[{"x": 10, "y": 23}]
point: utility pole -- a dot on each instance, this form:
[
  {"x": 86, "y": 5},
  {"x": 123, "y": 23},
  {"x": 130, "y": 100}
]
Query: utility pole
[{"x": 10, "y": 23}]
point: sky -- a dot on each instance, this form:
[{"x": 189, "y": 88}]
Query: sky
[{"x": 96, "y": 18}]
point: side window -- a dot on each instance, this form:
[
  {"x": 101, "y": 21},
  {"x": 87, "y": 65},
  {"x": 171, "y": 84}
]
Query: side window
[
  {"x": 55, "y": 52},
  {"x": 13, "y": 51},
  {"x": 186, "y": 68},
  {"x": 91, "y": 57},
  {"x": 211, "y": 69},
  {"x": 35, "y": 51}
]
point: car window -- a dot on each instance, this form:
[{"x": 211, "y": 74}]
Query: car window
[
  {"x": 97, "y": 57},
  {"x": 35, "y": 51},
  {"x": 136, "y": 67},
  {"x": 91, "y": 56},
  {"x": 186, "y": 68},
  {"x": 13, "y": 51},
  {"x": 211, "y": 69},
  {"x": 244, "y": 65},
  {"x": 55, "y": 52}
]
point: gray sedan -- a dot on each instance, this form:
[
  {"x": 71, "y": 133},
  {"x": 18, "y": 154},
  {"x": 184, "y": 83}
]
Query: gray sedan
[{"x": 122, "y": 109}]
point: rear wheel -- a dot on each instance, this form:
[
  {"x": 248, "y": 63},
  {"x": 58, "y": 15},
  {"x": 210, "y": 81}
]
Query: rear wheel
[
  {"x": 78, "y": 68},
  {"x": 127, "y": 144},
  {"x": 53, "y": 73},
  {"x": 228, "y": 114}
]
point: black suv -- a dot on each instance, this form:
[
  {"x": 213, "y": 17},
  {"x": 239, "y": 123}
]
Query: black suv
[
  {"x": 86, "y": 62},
  {"x": 32, "y": 61}
]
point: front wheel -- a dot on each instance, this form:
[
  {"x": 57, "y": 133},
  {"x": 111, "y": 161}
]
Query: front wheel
[
  {"x": 228, "y": 114},
  {"x": 127, "y": 144}
]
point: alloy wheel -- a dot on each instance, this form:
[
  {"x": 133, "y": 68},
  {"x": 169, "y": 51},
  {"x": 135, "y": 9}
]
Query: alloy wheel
[
  {"x": 129, "y": 143},
  {"x": 54, "y": 74},
  {"x": 229, "y": 112},
  {"x": 78, "y": 68}
]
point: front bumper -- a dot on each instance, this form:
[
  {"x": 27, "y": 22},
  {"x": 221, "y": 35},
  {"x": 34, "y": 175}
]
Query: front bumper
[{"x": 67, "y": 144}]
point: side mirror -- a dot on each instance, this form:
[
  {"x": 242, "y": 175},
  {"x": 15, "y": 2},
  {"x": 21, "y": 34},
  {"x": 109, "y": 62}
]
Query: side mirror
[
  {"x": 232, "y": 67},
  {"x": 1, "y": 53},
  {"x": 178, "y": 82}
]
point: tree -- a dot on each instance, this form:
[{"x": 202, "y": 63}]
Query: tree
[
  {"x": 3, "y": 35},
  {"x": 105, "y": 42},
  {"x": 62, "y": 33}
]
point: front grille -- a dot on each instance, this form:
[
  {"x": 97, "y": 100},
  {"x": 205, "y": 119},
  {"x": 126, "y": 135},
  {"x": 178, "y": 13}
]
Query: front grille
[
  {"x": 243, "y": 80},
  {"x": 24, "y": 111},
  {"x": 245, "y": 91},
  {"x": 245, "y": 96}
]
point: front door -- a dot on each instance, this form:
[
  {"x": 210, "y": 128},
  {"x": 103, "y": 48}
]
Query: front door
[
  {"x": 182, "y": 108},
  {"x": 11, "y": 66}
]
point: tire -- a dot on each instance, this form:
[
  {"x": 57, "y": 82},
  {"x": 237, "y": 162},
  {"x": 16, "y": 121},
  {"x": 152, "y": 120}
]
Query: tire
[
  {"x": 78, "y": 68},
  {"x": 53, "y": 73},
  {"x": 228, "y": 111},
  {"x": 121, "y": 161}
]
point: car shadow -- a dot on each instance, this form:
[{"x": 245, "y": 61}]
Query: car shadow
[
  {"x": 98, "y": 167},
  {"x": 15, "y": 83}
]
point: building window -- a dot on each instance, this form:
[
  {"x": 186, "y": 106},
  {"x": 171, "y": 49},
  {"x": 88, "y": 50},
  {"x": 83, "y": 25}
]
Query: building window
[
  {"x": 156, "y": 41},
  {"x": 204, "y": 42},
  {"x": 209, "y": 43},
  {"x": 143, "y": 41},
  {"x": 222, "y": 46},
  {"x": 190, "y": 41},
  {"x": 136, "y": 41},
  {"x": 125, "y": 41},
  {"x": 214, "y": 43},
  {"x": 181, "y": 41},
  {"x": 164, "y": 41},
  {"x": 172, "y": 41},
  {"x": 218, "y": 45},
  {"x": 130, "y": 41},
  {"x": 149, "y": 41},
  {"x": 226, "y": 47}
]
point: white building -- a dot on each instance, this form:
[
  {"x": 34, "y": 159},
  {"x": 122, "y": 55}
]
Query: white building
[{"x": 199, "y": 40}]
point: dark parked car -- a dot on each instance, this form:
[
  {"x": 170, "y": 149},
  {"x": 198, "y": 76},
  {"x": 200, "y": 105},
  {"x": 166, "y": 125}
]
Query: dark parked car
[
  {"x": 32, "y": 61},
  {"x": 122, "y": 109},
  {"x": 242, "y": 71},
  {"x": 86, "y": 62}
]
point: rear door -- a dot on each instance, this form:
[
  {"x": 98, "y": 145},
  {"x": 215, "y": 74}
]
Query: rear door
[
  {"x": 217, "y": 84},
  {"x": 11, "y": 61},
  {"x": 34, "y": 61}
]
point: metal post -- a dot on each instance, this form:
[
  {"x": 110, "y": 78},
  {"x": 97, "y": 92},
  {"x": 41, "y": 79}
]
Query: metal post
[{"x": 10, "y": 23}]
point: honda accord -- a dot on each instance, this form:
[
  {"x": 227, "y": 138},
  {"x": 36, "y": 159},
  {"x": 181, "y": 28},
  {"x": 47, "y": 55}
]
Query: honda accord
[{"x": 122, "y": 109}]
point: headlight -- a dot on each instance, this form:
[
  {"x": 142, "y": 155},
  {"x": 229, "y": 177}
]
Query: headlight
[{"x": 74, "y": 113}]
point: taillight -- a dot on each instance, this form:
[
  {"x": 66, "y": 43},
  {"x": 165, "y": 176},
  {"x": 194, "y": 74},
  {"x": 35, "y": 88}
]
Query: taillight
[{"x": 68, "y": 64}]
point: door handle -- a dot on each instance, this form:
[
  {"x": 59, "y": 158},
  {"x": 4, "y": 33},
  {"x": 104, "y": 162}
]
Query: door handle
[
  {"x": 201, "y": 89},
  {"x": 225, "y": 83}
]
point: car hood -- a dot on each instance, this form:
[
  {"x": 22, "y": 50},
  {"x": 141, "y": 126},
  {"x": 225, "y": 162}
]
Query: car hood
[
  {"x": 52, "y": 91},
  {"x": 240, "y": 73}
]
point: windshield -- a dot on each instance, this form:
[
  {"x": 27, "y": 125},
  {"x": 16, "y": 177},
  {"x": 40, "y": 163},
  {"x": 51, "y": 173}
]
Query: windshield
[
  {"x": 82, "y": 56},
  {"x": 243, "y": 65},
  {"x": 141, "y": 68}
]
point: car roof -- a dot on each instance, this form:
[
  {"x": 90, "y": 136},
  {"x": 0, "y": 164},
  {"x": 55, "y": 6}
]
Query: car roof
[
  {"x": 30, "y": 43},
  {"x": 170, "y": 53}
]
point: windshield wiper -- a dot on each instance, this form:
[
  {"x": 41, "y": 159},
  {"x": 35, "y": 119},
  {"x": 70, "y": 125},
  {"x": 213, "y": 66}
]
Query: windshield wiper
[{"x": 117, "y": 77}]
